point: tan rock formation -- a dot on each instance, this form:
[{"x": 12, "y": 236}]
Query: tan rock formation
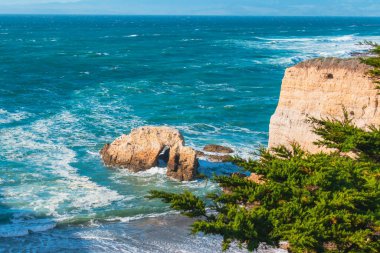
[
  {"x": 140, "y": 150},
  {"x": 256, "y": 178},
  {"x": 182, "y": 165},
  {"x": 321, "y": 88}
]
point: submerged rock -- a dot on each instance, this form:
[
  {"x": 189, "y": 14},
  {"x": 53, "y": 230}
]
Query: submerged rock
[
  {"x": 218, "y": 158},
  {"x": 142, "y": 148},
  {"x": 218, "y": 153},
  {"x": 218, "y": 149}
]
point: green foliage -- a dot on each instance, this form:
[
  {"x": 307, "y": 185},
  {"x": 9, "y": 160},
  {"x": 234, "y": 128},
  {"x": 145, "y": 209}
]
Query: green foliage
[
  {"x": 373, "y": 61},
  {"x": 317, "y": 202},
  {"x": 345, "y": 137},
  {"x": 186, "y": 202}
]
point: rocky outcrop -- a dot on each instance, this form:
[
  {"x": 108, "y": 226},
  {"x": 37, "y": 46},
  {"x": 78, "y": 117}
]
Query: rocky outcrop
[
  {"x": 216, "y": 153},
  {"x": 218, "y": 149},
  {"x": 322, "y": 88},
  {"x": 215, "y": 158},
  {"x": 142, "y": 148}
]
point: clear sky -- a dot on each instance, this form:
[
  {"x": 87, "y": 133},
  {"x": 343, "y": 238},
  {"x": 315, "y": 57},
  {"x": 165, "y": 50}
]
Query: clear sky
[{"x": 196, "y": 7}]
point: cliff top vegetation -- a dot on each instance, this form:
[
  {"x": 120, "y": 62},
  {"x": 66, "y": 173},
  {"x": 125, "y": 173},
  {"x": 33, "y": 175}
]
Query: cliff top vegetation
[
  {"x": 373, "y": 60},
  {"x": 316, "y": 202}
]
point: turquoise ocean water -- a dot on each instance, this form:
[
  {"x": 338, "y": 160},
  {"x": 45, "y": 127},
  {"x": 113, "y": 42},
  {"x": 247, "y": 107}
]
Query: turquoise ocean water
[{"x": 70, "y": 84}]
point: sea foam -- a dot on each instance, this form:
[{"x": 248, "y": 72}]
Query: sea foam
[{"x": 63, "y": 188}]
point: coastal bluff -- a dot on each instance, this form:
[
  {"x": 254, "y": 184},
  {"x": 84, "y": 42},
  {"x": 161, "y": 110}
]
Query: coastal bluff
[{"x": 321, "y": 88}]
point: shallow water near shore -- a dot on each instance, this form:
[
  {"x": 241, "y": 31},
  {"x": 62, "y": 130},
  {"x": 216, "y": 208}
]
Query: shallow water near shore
[
  {"x": 70, "y": 84},
  {"x": 169, "y": 233}
]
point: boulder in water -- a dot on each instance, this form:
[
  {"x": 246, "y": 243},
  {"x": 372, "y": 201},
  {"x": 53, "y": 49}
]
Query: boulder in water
[
  {"x": 216, "y": 153},
  {"x": 141, "y": 149},
  {"x": 218, "y": 149}
]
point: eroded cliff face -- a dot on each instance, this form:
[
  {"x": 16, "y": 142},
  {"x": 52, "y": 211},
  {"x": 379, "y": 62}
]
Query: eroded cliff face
[{"x": 321, "y": 88}]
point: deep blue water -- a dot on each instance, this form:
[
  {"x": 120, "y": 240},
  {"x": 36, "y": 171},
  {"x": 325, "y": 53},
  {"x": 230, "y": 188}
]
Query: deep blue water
[{"x": 69, "y": 84}]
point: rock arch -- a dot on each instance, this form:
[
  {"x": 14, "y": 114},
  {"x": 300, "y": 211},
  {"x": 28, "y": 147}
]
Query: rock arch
[{"x": 141, "y": 149}]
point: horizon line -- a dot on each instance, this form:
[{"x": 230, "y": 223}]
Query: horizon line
[{"x": 178, "y": 15}]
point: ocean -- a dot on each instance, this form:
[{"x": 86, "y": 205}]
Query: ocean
[{"x": 70, "y": 84}]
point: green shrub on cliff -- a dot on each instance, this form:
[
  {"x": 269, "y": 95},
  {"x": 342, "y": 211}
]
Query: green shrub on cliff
[
  {"x": 316, "y": 202},
  {"x": 374, "y": 60}
]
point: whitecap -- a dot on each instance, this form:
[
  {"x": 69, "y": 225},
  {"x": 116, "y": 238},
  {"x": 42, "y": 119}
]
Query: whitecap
[
  {"x": 343, "y": 38},
  {"x": 285, "y": 39},
  {"x": 153, "y": 171},
  {"x": 140, "y": 216},
  {"x": 191, "y": 39},
  {"x": 299, "y": 49},
  {"x": 102, "y": 54},
  {"x": 43, "y": 145},
  {"x": 199, "y": 129},
  {"x": 9, "y": 117},
  {"x": 131, "y": 36}
]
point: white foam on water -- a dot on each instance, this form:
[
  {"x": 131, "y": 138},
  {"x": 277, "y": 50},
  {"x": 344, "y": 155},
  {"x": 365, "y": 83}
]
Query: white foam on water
[
  {"x": 131, "y": 36},
  {"x": 153, "y": 236},
  {"x": 344, "y": 38},
  {"x": 63, "y": 189},
  {"x": 102, "y": 54},
  {"x": 140, "y": 216},
  {"x": 191, "y": 39},
  {"x": 293, "y": 50},
  {"x": 197, "y": 133},
  {"x": 350, "y": 37},
  {"x": 9, "y": 117},
  {"x": 106, "y": 105},
  {"x": 151, "y": 175},
  {"x": 93, "y": 154},
  {"x": 199, "y": 129},
  {"x": 153, "y": 171},
  {"x": 287, "y": 60}
]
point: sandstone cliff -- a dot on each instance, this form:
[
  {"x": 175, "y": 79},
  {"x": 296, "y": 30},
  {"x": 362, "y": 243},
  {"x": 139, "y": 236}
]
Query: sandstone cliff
[{"x": 321, "y": 88}]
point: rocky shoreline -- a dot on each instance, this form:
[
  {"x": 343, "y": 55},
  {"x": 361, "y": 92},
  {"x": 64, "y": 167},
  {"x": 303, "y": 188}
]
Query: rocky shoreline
[
  {"x": 320, "y": 88},
  {"x": 146, "y": 146}
]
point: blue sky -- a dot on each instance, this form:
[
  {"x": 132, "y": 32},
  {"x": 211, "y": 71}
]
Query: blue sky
[{"x": 196, "y": 7}]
